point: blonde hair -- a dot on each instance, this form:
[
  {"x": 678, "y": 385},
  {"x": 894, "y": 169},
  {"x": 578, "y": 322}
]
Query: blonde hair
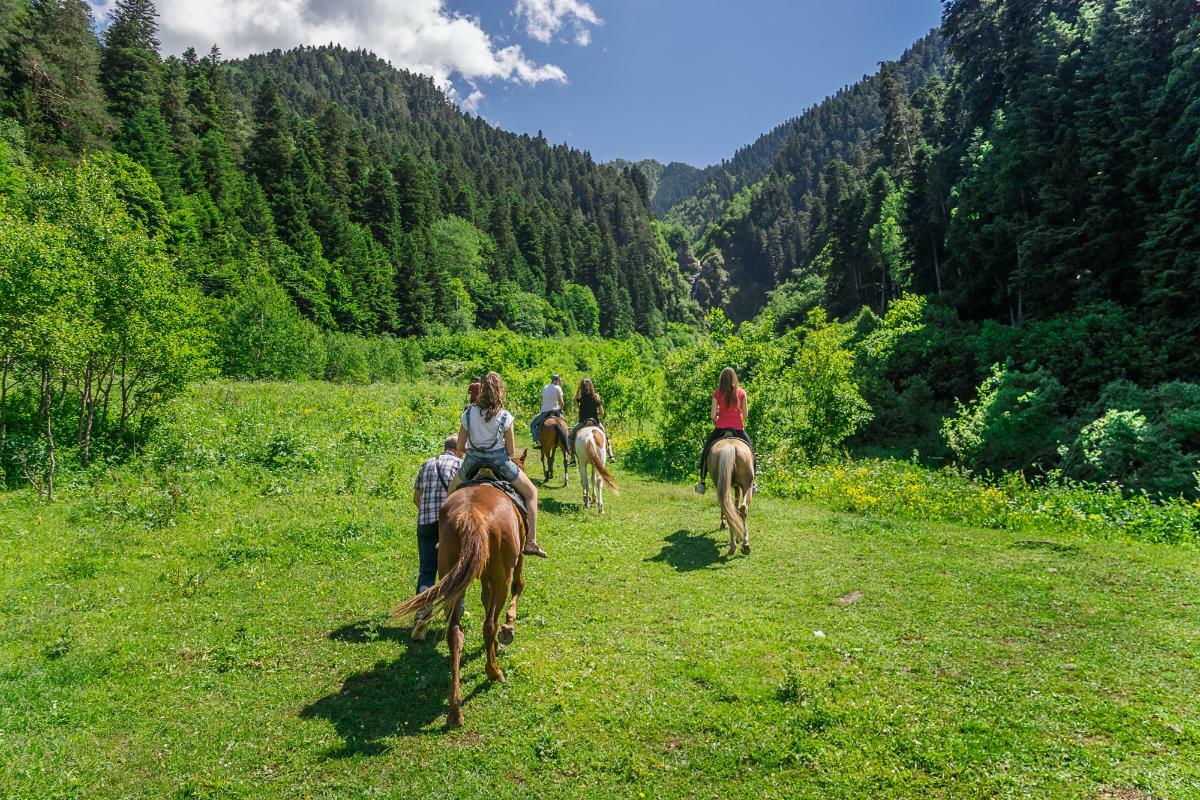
[{"x": 491, "y": 395}]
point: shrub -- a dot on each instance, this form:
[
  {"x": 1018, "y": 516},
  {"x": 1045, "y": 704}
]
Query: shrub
[
  {"x": 813, "y": 404},
  {"x": 1144, "y": 439},
  {"x": 391, "y": 360},
  {"x": 908, "y": 490},
  {"x": 264, "y": 336},
  {"x": 1014, "y": 423},
  {"x": 346, "y": 358}
]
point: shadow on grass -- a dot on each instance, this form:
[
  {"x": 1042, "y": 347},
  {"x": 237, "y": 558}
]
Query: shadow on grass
[
  {"x": 368, "y": 631},
  {"x": 555, "y": 506},
  {"x": 686, "y": 551},
  {"x": 402, "y": 697}
]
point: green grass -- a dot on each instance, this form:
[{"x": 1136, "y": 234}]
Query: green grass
[{"x": 214, "y": 625}]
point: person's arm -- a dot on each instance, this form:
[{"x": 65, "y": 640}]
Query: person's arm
[
  {"x": 745, "y": 406},
  {"x": 715, "y": 412},
  {"x": 461, "y": 448},
  {"x": 562, "y": 403},
  {"x": 509, "y": 445},
  {"x": 600, "y": 413},
  {"x": 417, "y": 490}
]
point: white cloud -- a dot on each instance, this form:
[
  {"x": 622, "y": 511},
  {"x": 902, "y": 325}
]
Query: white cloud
[
  {"x": 420, "y": 35},
  {"x": 545, "y": 18},
  {"x": 471, "y": 102}
]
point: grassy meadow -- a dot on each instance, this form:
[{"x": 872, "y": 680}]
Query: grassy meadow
[{"x": 209, "y": 620}]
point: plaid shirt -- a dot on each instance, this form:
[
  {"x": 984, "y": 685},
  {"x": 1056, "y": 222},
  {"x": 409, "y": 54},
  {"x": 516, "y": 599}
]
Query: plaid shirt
[{"x": 433, "y": 490}]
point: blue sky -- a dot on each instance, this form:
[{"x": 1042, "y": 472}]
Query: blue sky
[
  {"x": 676, "y": 80},
  {"x": 693, "y": 80}
]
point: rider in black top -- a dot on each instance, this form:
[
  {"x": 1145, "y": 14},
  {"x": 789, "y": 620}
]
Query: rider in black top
[{"x": 591, "y": 411}]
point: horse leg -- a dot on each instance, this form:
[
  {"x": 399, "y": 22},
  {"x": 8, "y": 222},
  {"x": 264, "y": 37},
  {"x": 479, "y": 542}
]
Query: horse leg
[
  {"x": 598, "y": 488},
  {"x": 732, "y": 536},
  {"x": 454, "y": 638},
  {"x": 495, "y": 601},
  {"x": 518, "y": 585},
  {"x": 583, "y": 477}
]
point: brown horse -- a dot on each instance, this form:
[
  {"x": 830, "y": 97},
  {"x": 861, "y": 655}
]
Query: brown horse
[
  {"x": 480, "y": 535},
  {"x": 731, "y": 464},
  {"x": 551, "y": 438},
  {"x": 590, "y": 452}
]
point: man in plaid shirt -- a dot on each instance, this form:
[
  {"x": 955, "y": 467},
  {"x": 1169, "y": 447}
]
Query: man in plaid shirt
[{"x": 429, "y": 492}]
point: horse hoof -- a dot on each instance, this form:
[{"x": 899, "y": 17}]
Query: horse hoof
[
  {"x": 745, "y": 549},
  {"x": 496, "y": 676},
  {"x": 454, "y": 719},
  {"x": 731, "y": 551},
  {"x": 505, "y": 636}
]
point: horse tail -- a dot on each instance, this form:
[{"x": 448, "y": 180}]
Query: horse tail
[
  {"x": 473, "y": 534},
  {"x": 726, "y": 462},
  {"x": 560, "y": 428},
  {"x": 593, "y": 452}
]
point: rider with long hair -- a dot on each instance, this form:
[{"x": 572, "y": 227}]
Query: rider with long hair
[
  {"x": 591, "y": 411},
  {"x": 485, "y": 433},
  {"x": 728, "y": 413}
]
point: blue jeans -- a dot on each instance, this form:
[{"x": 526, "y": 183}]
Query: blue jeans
[
  {"x": 427, "y": 543},
  {"x": 496, "y": 460},
  {"x": 535, "y": 425}
]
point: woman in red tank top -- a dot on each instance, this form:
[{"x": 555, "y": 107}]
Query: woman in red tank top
[{"x": 729, "y": 408}]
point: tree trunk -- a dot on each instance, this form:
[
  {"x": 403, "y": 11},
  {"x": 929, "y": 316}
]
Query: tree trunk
[{"x": 937, "y": 265}]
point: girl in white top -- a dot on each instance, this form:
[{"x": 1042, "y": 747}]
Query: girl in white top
[{"x": 485, "y": 434}]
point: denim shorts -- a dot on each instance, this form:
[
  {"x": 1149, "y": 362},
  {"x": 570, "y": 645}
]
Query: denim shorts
[{"x": 496, "y": 460}]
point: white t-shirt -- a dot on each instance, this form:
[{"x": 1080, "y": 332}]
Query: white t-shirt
[
  {"x": 552, "y": 397},
  {"x": 485, "y": 434}
]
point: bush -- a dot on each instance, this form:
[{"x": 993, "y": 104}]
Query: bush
[
  {"x": 265, "y": 336},
  {"x": 391, "y": 360},
  {"x": 1014, "y": 424},
  {"x": 346, "y": 358},
  {"x": 908, "y": 490},
  {"x": 812, "y": 405},
  {"x": 1144, "y": 439}
]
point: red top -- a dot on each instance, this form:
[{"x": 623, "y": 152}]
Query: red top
[
  {"x": 730, "y": 416},
  {"x": 473, "y": 391}
]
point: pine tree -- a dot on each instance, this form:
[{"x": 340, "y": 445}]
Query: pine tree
[
  {"x": 131, "y": 73},
  {"x": 57, "y": 95}
]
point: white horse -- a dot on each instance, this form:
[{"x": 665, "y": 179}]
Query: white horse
[{"x": 590, "y": 452}]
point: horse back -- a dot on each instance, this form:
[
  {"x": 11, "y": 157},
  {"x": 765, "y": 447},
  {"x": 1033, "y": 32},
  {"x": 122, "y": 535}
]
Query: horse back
[{"x": 743, "y": 468}]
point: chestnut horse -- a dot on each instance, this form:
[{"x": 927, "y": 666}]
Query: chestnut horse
[
  {"x": 551, "y": 437},
  {"x": 731, "y": 464},
  {"x": 590, "y": 452},
  {"x": 480, "y": 535}
]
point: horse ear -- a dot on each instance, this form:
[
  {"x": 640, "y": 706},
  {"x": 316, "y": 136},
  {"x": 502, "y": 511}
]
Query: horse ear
[{"x": 524, "y": 454}]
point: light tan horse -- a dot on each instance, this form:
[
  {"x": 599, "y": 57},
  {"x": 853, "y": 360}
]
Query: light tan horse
[
  {"x": 480, "y": 535},
  {"x": 731, "y": 463},
  {"x": 590, "y": 453},
  {"x": 551, "y": 437}
]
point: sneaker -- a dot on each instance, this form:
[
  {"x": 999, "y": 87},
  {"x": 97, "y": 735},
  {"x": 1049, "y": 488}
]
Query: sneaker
[{"x": 700, "y": 488}]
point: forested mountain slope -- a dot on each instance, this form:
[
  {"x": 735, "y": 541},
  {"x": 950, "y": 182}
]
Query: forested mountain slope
[
  {"x": 1056, "y": 167},
  {"x": 851, "y": 117},
  {"x": 379, "y": 205}
]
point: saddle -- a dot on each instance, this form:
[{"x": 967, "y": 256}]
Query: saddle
[{"x": 485, "y": 477}]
